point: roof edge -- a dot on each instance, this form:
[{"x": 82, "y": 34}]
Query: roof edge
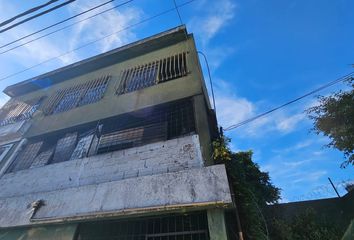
[{"x": 11, "y": 90}]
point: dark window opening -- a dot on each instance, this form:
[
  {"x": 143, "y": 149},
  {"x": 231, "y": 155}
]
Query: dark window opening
[
  {"x": 158, "y": 123},
  {"x": 189, "y": 226},
  {"x": 153, "y": 73}
]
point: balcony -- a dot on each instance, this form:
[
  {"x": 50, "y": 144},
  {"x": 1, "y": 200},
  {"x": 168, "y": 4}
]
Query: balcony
[{"x": 161, "y": 176}]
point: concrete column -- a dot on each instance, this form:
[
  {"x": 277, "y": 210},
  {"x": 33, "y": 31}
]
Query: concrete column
[
  {"x": 216, "y": 224},
  {"x": 202, "y": 126}
]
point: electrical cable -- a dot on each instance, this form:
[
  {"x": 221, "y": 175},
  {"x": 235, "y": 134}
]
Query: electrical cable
[
  {"x": 65, "y": 27},
  {"x": 210, "y": 80},
  {"x": 179, "y": 15},
  {"x": 27, "y": 12},
  {"x": 341, "y": 79},
  {"x": 55, "y": 24},
  {"x": 37, "y": 15},
  {"x": 97, "y": 40}
]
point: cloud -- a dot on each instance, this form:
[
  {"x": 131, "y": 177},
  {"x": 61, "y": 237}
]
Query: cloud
[
  {"x": 216, "y": 15},
  {"x": 232, "y": 109},
  {"x": 311, "y": 177},
  {"x": 64, "y": 41},
  {"x": 105, "y": 24}
]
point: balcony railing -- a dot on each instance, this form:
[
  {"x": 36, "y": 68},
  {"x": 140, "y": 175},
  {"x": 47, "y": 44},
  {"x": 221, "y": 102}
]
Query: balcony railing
[{"x": 152, "y": 73}]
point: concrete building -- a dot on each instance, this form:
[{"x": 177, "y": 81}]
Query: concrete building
[{"x": 117, "y": 146}]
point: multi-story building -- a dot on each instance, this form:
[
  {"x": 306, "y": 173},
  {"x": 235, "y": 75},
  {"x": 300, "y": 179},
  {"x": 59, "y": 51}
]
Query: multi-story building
[{"x": 117, "y": 146}]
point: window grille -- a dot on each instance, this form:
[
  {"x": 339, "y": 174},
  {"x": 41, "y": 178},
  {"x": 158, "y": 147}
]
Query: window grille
[
  {"x": 190, "y": 226},
  {"x": 153, "y": 73},
  {"x": 76, "y": 96},
  {"x": 83, "y": 146},
  {"x": 65, "y": 148},
  {"x": 26, "y": 157},
  {"x": 43, "y": 158},
  {"x": 14, "y": 111},
  {"x": 154, "y": 124}
]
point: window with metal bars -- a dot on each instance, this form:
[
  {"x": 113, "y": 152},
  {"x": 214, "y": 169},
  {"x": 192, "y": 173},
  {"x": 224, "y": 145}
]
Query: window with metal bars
[
  {"x": 158, "y": 123},
  {"x": 153, "y": 124},
  {"x": 152, "y": 73},
  {"x": 14, "y": 111},
  {"x": 78, "y": 95},
  {"x": 189, "y": 226}
]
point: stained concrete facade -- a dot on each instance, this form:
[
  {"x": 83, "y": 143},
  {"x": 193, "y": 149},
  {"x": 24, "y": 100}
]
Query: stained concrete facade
[{"x": 148, "y": 175}]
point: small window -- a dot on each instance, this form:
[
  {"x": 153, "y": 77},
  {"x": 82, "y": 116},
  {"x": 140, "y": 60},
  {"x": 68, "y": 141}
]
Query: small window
[
  {"x": 76, "y": 96},
  {"x": 153, "y": 73}
]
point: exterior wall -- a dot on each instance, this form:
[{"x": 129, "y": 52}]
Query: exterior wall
[
  {"x": 112, "y": 104},
  {"x": 162, "y": 192},
  {"x": 162, "y": 157},
  {"x": 164, "y": 176}
]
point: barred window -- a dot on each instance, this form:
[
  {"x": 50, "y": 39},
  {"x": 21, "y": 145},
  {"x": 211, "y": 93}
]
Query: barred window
[
  {"x": 76, "y": 96},
  {"x": 186, "y": 226},
  {"x": 14, "y": 111},
  {"x": 152, "y": 73},
  {"x": 26, "y": 157},
  {"x": 153, "y": 124}
]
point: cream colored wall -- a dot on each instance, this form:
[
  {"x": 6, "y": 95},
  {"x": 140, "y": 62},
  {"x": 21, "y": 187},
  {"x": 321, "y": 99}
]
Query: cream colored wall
[{"x": 112, "y": 104}]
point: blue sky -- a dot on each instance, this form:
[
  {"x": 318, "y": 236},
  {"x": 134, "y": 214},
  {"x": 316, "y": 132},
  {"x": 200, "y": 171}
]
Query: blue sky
[{"x": 261, "y": 54}]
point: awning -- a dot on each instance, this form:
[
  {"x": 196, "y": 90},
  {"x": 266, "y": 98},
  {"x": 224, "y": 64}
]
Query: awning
[{"x": 54, "y": 232}]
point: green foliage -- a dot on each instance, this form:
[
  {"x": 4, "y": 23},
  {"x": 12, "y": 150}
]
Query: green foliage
[
  {"x": 334, "y": 117},
  {"x": 252, "y": 188},
  {"x": 304, "y": 226}
]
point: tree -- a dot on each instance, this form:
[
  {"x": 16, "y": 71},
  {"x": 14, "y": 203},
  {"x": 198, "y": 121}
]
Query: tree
[
  {"x": 252, "y": 188},
  {"x": 334, "y": 117}
]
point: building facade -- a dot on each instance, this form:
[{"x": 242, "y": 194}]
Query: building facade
[{"x": 117, "y": 146}]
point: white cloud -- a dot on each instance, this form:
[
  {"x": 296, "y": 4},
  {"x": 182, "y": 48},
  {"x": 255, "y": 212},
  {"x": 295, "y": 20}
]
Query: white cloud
[
  {"x": 311, "y": 177},
  {"x": 105, "y": 24},
  {"x": 216, "y": 15},
  {"x": 288, "y": 124},
  {"x": 64, "y": 41},
  {"x": 231, "y": 110}
]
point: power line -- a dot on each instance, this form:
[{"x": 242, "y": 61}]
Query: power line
[
  {"x": 37, "y": 15},
  {"x": 65, "y": 27},
  {"x": 97, "y": 40},
  {"x": 211, "y": 82},
  {"x": 179, "y": 15},
  {"x": 27, "y": 12},
  {"x": 55, "y": 24},
  {"x": 341, "y": 79}
]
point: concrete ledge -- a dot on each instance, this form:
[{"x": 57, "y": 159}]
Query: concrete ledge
[
  {"x": 207, "y": 186},
  {"x": 161, "y": 157}
]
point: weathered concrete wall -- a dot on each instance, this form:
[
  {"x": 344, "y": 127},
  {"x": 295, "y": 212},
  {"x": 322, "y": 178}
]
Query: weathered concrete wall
[
  {"x": 207, "y": 186},
  {"x": 162, "y": 157}
]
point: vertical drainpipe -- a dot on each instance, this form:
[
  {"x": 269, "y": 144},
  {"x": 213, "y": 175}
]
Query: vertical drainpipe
[{"x": 13, "y": 156}]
